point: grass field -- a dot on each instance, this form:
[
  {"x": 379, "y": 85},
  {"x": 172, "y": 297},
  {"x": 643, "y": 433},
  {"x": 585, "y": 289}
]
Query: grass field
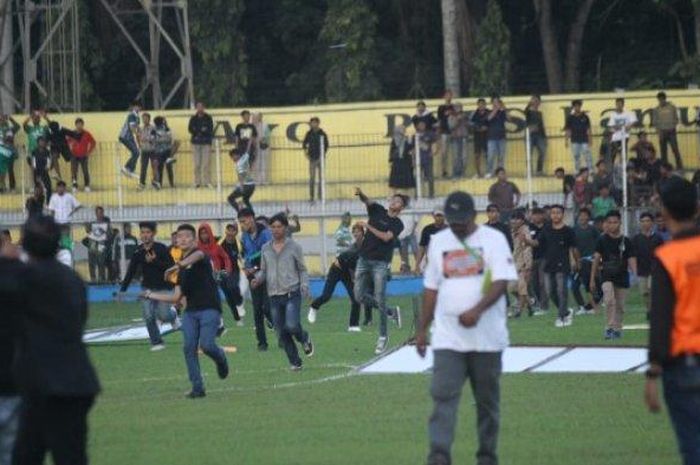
[{"x": 265, "y": 414}]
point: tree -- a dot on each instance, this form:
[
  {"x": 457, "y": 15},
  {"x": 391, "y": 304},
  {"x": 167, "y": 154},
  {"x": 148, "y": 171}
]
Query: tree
[
  {"x": 219, "y": 57},
  {"x": 450, "y": 46},
  {"x": 550, "y": 45},
  {"x": 492, "y": 54},
  {"x": 348, "y": 34}
]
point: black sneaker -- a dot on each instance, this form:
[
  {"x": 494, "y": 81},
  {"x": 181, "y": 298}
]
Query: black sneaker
[
  {"x": 608, "y": 333},
  {"x": 270, "y": 325},
  {"x": 616, "y": 334},
  {"x": 222, "y": 369},
  {"x": 262, "y": 347},
  {"x": 195, "y": 394},
  {"x": 309, "y": 347},
  {"x": 221, "y": 331}
]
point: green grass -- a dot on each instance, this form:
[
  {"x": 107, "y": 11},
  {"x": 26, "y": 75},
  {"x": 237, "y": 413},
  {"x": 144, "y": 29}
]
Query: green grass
[{"x": 264, "y": 414}]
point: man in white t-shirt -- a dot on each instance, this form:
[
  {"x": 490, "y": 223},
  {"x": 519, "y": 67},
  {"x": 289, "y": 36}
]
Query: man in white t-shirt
[
  {"x": 62, "y": 204},
  {"x": 621, "y": 122},
  {"x": 465, "y": 281}
]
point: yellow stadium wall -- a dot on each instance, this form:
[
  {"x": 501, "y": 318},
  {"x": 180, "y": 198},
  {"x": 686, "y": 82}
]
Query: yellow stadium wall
[{"x": 368, "y": 125}]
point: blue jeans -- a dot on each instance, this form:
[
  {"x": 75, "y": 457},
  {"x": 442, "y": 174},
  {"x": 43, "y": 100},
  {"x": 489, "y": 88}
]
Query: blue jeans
[
  {"x": 152, "y": 311},
  {"x": 682, "y": 394},
  {"x": 495, "y": 155},
  {"x": 579, "y": 149},
  {"x": 286, "y": 314},
  {"x": 133, "y": 149},
  {"x": 9, "y": 418},
  {"x": 373, "y": 273},
  {"x": 199, "y": 330}
]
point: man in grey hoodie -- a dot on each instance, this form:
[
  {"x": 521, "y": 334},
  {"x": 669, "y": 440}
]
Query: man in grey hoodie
[{"x": 283, "y": 270}]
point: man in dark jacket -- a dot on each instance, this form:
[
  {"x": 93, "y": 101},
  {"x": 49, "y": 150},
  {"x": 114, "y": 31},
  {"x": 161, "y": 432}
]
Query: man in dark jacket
[
  {"x": 53, "y": 372},
  {"x": 201, "y": 127},
  {"x": 314, "y": 140}
]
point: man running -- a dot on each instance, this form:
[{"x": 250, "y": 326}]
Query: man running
[
  {"x": 383, "y": 229},
  {"x": 231, "y": 286},
  {"x": 202, "y": 314},
  {"x": 283, "y": 270},
  {"x": 255, "y": 236},
  {"x": 153, "y": 258}
]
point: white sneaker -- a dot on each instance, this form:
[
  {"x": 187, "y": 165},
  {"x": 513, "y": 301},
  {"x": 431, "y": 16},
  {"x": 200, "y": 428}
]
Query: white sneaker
[
  {"x": 382, "y": 344},
  {"x": 241, "y": 310},
  {"x": 582, "y": 311},
  {"x": 74, "y": 190},
  {"x": 539, "y": 312},
  {"x": 157, "y": 347},
  {"x": 240, "y": 323},
  {"x": 312, "y": 315},
  {"x": 128, "y": 174},
  {"x": 488, "y": 176},
  {"x": 559, "y": 323},
  {"x": 177, "y": 324},
  {"x": 568, "y": 320},
  {"x": 87, "y": 189},
  {"x": 354, "y": 329}
]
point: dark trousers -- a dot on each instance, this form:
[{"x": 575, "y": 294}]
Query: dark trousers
[
  {"x": 43, "y": 177},
  {"x": 539, "y": 142},
  {"x": 146, "y": 157},
  {"x": 133, "y": 149},
  {"x": 682, "y": 395},
  {"x": 232, "y": 293},
  {"x": 426, "y": 169},
  {"x": 246, "y": 192},
  {"x": 261, "y": 310},
  {"x": 162, "y": 157},
  {"x": 556, "y": 288},
  {"x": 314, "y": 168},
  {"x": 334, "y": 276},
  {"x": 11, "y": 174},
  {"x": 286, "y": 313},
  {"x": 55, "y": 425},
  {"x": 583, "y": 279},
  {"x": 537, "y": 283},
  {"x": 83, "y": 164},
  {"x": 666, "y": 137},
  {"x": 450, "y": 371}
]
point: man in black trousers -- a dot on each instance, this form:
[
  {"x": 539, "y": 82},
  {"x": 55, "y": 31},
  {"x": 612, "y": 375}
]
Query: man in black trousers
[{"x": 53, "y": 372}]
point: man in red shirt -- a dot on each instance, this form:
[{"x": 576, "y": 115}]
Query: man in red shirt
[{"x": 81, "y": 148}]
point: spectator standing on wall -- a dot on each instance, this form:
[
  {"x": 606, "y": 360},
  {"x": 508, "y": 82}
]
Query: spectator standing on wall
[
  {"x": 312, "y": 150},
  {"x": 459, "y": 132},
  {"x": 480, "y": 124},
  {"x": 246, "y": 136},
  {"x": 578, "y": 134},
  {"x": 35, "y": 130},
  {"x": 165, "y": 147},
  {"x": 538, "y": 134},
  {"x": 128, "y": 136},
  {"x": 58, "y": 143},
  {"x": 8, "y": 154},
  {"x": 425, "y": 138},
  {"x": 201, "y": 128},
  {"x": 443, "y": 113},
  {"x": 146, "y": 137},
  {"x": 496, "y": 147},
  {"x": 402, "y": 174},
  {"x": 620, "y": 121},
  {"x": 665, "y": 120},
  {"x": 422, "y": 114},
  {"x": 81, "y": 148},
  {"x": 98, "y": 233},
  {"x": 8, "y": 130},
  {"x": 40, "y": 162}
]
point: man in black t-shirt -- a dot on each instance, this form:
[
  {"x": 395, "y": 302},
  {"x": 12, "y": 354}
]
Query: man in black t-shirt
[
  {"x": 578, "y": 131},
  {"x": 382, "y": 232},
  {"x": 493, "y": 214},
  {"x": 246, "y": 135},
  {"x": 559, "y": 246},
  {"x": 614, "y": 256},
  {"x": 315, "y": 142},
  {"x": 436, "y": 226},
  {"x": 153, "y": 258},
  {"x": 200, "y": 321}
]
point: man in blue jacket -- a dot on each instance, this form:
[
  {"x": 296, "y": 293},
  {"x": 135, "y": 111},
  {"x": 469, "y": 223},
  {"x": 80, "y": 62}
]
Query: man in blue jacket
[{"x": 255, "y": 236}]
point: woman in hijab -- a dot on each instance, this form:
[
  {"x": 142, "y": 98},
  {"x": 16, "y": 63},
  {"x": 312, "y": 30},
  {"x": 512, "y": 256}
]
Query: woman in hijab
[{"x": 401, "y": 160}]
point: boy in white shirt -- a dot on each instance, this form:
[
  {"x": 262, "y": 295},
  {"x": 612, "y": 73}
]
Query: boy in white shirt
[
  {"x": 621, "y": 122},
  {"x": 465, "y": 281},
  {"x": 63, "y": 204}
]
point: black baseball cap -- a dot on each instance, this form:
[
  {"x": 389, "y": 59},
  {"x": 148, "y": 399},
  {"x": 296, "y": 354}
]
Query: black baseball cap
[{"x": 459, "y": 207}]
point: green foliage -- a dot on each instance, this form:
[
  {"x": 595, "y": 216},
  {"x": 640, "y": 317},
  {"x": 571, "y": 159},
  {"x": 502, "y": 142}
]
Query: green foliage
[
  {"x": 492, "y": 56},
  {"x": 350, "y": 71},
  {"x": 219, "y": 58},
  {"x": 92, "y": 60},
  {"x": 688, "y": 70}
]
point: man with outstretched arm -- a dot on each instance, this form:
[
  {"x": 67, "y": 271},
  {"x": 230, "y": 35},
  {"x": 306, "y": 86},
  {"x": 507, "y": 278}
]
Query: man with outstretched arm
[
  {"x": 200, "y": 321},
  {"x": 382, "y": 232},
  {"x": 153, "y": 258},
  {"x": 465, "y": 281}
]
